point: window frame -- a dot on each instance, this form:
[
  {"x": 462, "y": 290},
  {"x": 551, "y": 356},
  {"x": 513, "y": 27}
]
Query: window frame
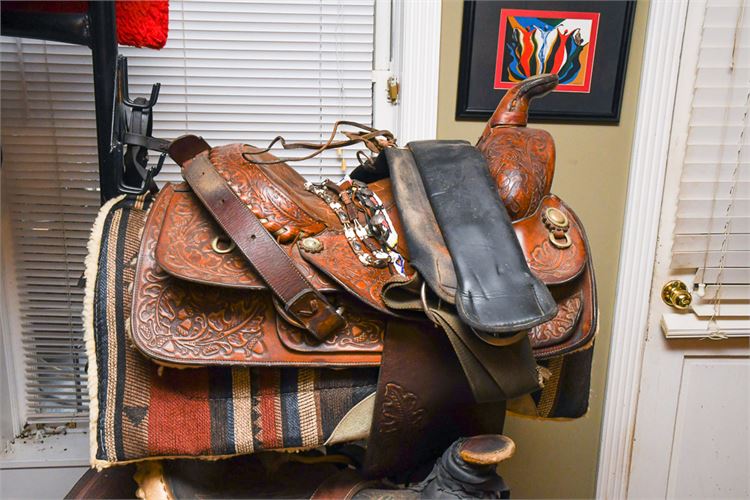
[{"x": 11, "y": 369}]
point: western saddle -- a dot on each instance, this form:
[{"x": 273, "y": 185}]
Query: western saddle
[{"x": 451, "y": 267}]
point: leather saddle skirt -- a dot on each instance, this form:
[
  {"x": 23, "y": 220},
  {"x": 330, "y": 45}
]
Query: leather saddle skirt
[{"x": 197, "y": 301}]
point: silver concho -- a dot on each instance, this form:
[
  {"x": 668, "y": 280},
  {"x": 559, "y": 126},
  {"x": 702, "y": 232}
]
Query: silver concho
[{"x": 311, "y": 245}]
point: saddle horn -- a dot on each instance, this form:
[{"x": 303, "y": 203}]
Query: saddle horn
[
  {"x": 523, "y": 174},
  {"x": 513, "y": 109}
]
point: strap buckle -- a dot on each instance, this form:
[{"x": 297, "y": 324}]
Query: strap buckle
[{"x": 311, "y": 311}]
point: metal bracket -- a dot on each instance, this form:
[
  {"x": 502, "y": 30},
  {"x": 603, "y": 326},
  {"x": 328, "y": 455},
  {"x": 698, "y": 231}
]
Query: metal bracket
[
  {"x": 394, "y": 89},
  {"x": 133, "y": 138}
]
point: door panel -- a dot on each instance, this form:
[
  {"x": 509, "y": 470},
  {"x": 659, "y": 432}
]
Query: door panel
[
  {"x": 691, "y": 437},
  {"x": 710, "y": 443}
]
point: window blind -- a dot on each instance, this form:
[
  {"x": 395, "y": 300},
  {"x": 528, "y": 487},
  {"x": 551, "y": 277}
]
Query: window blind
[
  {"x": 249, "y": 71},
  {"x": 231, "y": 72},
  {"x": 712, "y": 232},
  {"x": 51, "y": 196}
]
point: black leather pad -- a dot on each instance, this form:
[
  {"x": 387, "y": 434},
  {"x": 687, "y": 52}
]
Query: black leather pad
[
  {"x": 496, "y": 291},
  {"x": 427, "y": 251}
]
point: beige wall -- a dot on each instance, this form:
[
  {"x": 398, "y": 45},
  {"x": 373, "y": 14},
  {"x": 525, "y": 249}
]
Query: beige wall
[{"x": 559, "y": 459}]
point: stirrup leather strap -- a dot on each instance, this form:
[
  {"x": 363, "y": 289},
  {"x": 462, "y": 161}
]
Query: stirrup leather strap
[{"x": 300, "y": 299}]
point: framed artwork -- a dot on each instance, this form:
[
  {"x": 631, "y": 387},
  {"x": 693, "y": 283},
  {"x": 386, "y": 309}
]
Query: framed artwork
[{"x": 585, "y": 42}]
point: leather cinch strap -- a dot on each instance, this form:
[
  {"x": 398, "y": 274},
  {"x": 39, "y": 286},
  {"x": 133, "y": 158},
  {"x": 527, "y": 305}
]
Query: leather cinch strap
[
  {"x": 302, "y": 302},
  {"x": 423, "y": 402}
]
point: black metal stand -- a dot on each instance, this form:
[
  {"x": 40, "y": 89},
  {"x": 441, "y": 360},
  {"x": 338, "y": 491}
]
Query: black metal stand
[
  {"x": 103, "y": 43},
  {"x": 97, "y": 30},
  {"x": 68, "y": 28}
]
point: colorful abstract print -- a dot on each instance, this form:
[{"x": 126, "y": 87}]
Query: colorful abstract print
[{"x": 533, "y": 42}]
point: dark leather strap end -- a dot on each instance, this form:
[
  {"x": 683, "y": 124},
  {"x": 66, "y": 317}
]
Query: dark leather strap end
[
  {"x": 374, "y": 171},
  {"x": 315, "y": 313},
  {"x": 186, "y": 147}
]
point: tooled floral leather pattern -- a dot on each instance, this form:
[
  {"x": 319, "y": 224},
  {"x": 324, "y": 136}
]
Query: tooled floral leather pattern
[
  {"x": 521, "y": 162},
  {"x": 363, "y": 332},
  {"x": 561, "y": 327},
  {"x": 185, "y": 247},
  {"x": 181, "y": 320},
  {"x": 267, "y": 201},
  {"x": 586, "y": 326},
  {"x": 339, "y": 262},
  {"x": 184, "y": 250},
  {"x": 551, "y": 264},
  {"x": 401, "y": 410},
  {"x": 176, "y": 321}
]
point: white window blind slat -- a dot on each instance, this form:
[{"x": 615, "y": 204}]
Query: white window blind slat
[
  {"x": 711, "y": 208},
  {"x": 726, "y": 292},
  {"x": 714, "y": 242},
  {"x": 708, "y": 97},
  {"x": 737, "y": 275},
  {"x": 710, "y": 259},
  {"x": 715, "y": 173},
  {"x": 705, "y": 310},
  {"x": 705, "y": 153},
  {"x": 231, "y": 72},
  {"x": 698, "y": 225},
  {"x": 702, "y": 189}
]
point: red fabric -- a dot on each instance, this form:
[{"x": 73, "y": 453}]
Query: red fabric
[
  {"x": 140, "y": 23},
  {"x": 271, "y": 433},
  {"x": 179, "y": 416}
]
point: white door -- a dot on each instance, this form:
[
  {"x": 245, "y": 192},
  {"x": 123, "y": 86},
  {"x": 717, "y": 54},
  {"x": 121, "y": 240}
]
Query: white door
[{"x": 677, "y": 414}]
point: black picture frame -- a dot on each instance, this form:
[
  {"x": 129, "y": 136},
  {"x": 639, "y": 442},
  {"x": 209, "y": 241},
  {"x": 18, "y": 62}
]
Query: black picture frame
[{"x": 477, "y": 95}]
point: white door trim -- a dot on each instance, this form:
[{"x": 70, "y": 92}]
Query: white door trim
[
  {"x": 417, "y": 57},
  {"x": 661, "y": 61}
]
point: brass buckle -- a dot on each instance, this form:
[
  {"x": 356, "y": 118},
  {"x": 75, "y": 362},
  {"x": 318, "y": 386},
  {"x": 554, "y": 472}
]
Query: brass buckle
[
  {"x": 557, "y": 222},
  {"x": 289, "y": 315},
  {"x": 561, "y": 244},
  {"x": 222, "y": 250},
  {"x": 285, "y": 315}
]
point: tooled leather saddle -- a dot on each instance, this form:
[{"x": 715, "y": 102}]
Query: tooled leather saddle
[{"x": 450, "y": 266}]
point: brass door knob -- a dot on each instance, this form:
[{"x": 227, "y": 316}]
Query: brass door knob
[{"x": 675, "y": 294}]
